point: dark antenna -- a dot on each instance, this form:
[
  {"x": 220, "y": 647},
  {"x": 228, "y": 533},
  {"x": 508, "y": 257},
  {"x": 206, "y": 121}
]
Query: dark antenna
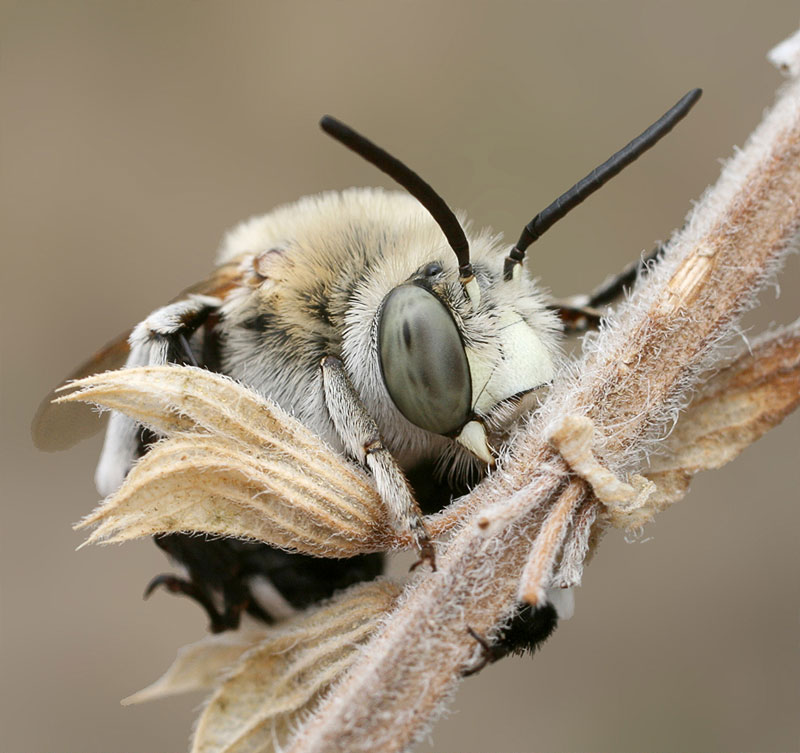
[
  {"x": 415, "y": 185},
  {"x": 597, "y": 178}
]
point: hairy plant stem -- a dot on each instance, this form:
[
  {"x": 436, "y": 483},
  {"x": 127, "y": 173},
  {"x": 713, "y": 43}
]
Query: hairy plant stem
[{"x": 633, "y": 378}]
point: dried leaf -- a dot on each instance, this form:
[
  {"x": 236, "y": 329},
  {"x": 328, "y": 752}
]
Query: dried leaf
[
  {"x": 278, "y": 681},
  {"x": 733, "y": 409},
  {"x": 200, "y": 665},
  {"x": 233, "y": 464}
]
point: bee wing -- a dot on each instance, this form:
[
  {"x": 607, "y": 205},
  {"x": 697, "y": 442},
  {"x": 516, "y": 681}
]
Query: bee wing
[{"x": 58, "y": 427}]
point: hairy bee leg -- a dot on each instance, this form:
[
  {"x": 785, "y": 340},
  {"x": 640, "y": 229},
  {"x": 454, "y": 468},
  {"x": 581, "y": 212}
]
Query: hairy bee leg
[
  {"x": 584, "y": 312},
  {"x": 359, "y": 432},
  {"x": 163, "y": 337}
]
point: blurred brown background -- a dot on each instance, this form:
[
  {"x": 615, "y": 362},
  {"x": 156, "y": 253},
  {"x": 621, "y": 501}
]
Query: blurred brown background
[{"x": 134, "y": 134}]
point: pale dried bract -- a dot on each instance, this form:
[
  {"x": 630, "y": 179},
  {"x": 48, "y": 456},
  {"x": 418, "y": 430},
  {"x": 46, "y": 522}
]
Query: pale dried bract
[
  {"x": 727, "y": 414},
  {"x": 232, "y": 464},
  {"x": 201, "y": 665},
  {"x": 277, "y": 682}
]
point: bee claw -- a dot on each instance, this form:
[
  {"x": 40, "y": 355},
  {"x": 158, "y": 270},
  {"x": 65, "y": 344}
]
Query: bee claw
[
  {"x": 172, "y": 583},
  {"x": 427, "y": 553},
  {"x": 488, "y": 653},
  {"x": 218, "y": 622}
]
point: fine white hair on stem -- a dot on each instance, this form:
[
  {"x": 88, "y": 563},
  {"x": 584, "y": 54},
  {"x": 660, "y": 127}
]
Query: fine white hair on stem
[{"x": 633, "y": 378}]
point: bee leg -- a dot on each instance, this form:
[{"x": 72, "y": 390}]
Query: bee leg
[
  {"x": 359, "y": 433},
  {"x": 584, "y": 312},
  {"x": 528, "y": 629},
  {"x": 218, "y": 622},
  {"x": 576, "y": 318},
  {"x": 216, "y": 578},
  {"x": 164, "y": 337},
  {"x": 489, "y": 654}
]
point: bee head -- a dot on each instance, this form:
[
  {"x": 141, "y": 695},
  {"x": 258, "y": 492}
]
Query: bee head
[
  {"x": 450, "y": 358},
  {"x": 451, "y": 361},
  {"x": 457, "y": 367}
]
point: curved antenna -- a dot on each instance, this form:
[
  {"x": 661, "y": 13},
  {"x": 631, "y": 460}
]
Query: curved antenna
[
  {"x": 598, "y": 177},
  {"x": 412, "y": 182}
]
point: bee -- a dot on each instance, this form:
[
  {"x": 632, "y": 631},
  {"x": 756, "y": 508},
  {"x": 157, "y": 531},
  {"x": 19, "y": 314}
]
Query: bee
[{"x": 403, "y": 340}]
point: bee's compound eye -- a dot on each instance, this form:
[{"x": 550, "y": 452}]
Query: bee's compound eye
[{"x": 424, "y": 365}]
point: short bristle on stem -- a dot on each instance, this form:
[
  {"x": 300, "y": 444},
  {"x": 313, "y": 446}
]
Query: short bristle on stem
[
  {"x": 412, "y": 182},
  {"x": 597, "y": 178}
]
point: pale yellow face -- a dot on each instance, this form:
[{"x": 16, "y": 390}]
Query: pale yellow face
[
  {"x": 446, "y": 378},
  {"x": 526, "y": 364}
]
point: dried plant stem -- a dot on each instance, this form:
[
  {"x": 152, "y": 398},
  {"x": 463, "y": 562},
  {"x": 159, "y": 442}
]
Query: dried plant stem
[
  {"x": 633, "y": 378},
  {"x": 543, "y": 555}
]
